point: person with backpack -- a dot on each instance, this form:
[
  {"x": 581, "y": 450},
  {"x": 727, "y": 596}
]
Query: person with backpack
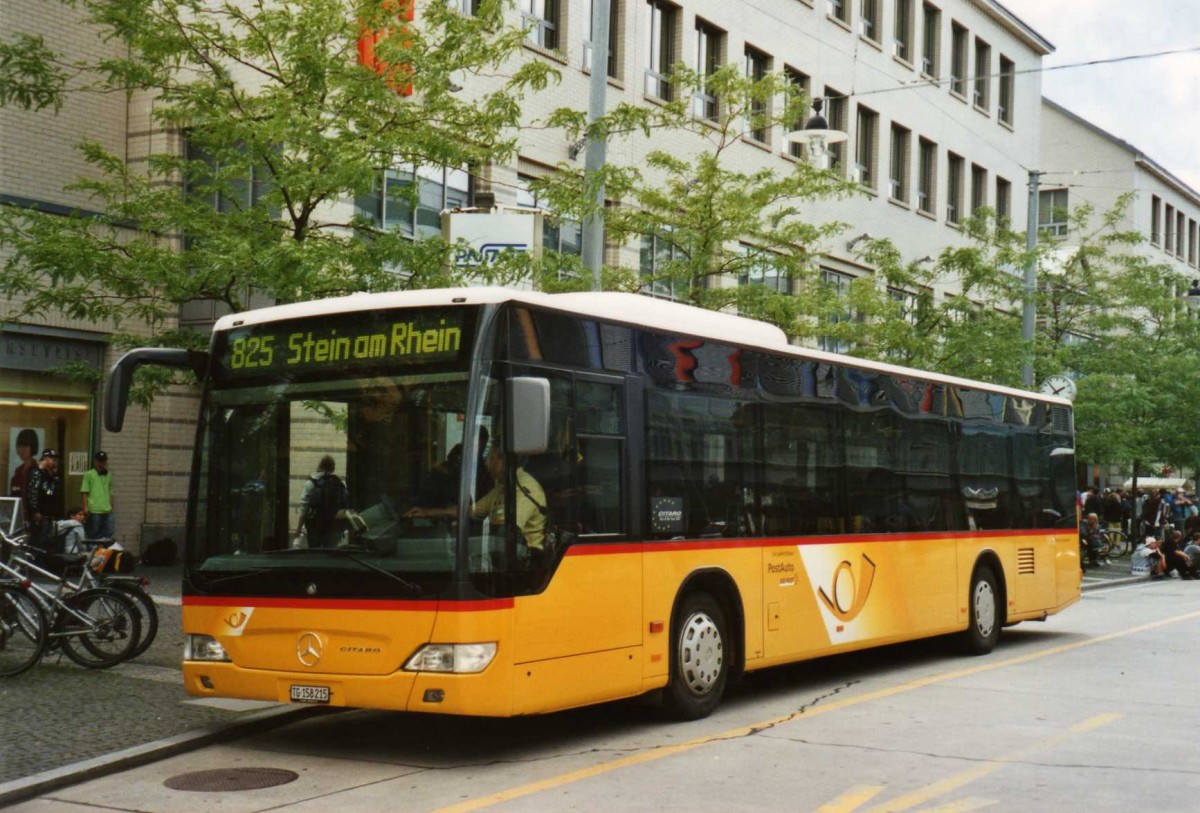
[{"x": 324, "y": 496}]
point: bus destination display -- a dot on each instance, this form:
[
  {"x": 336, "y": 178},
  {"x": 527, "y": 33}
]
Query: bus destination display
[{"x": 349, "y": 341}]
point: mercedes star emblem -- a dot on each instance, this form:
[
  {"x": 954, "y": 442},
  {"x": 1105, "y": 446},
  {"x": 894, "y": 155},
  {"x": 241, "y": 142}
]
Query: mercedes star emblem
[{"x": 309, "y": 649}]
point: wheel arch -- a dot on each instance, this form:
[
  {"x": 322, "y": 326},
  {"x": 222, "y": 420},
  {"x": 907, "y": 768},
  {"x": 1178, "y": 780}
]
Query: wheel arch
[{"x": 717, "y": 583}]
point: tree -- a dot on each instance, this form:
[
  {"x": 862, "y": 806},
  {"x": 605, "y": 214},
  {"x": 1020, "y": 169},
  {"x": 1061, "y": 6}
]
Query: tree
[
  {"x": 283, "y": 126},
  {"x": 30, "y": 74}
]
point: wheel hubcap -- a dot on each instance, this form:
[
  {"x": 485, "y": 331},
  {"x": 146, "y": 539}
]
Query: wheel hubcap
[
  {"x": 985, "y": 608},
  {"x": 701, "y": 653}
]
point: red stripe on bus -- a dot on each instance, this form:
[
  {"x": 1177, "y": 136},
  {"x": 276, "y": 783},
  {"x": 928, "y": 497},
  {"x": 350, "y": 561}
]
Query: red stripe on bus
[{"x": 349, "y": 604}]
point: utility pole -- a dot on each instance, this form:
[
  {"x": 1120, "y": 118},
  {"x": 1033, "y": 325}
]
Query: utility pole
[
  {"x": 593, "y": 224},
  {"x": 1029, "y": 314}
]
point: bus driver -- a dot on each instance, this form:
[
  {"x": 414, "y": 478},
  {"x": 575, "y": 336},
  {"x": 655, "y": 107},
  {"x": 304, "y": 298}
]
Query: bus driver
[{"x": 530, "y": 503}]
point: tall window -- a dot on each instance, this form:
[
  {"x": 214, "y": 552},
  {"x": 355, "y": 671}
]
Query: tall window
[
  {"x": 839, "y": 10},
  {"x": 709, "y": 42},
  {"x": 613, "y": 28},
  {"x": 981, "y": 93},
  {"x": 1052, "y": 211},
  {"x": 799, "y": 83},
  {"x": 1169, "y": 241},
  {"x": 468, "y": 7},
  {"x": 758, "y": 65},
  {"x": 839, "y": 284},
  {"x": 759, "y": 270},
  {"x": 868, "y": 24},
  {"x": 1191, "y": 242},
  {"x": 978, "y": 188},
  {"x": 1003, "y": 201},
  {"x": 927, "y": 177},
  {"x": 1155, "y": 219},
  {"x": 931, "y": 40},
  {"x": 954, "y": 187},
  {"x": 902, "y": 33},
  {"x": 416, "y": 211},
  {"x": 867, "y": 147},
  {"x": 540, "y": 18},
  {"x": 898, "y": 174},
  {"x": 558, "y": 233},
  {"x": 958, "y": 60},
  {"x": 1180, "y": 226},
  {"x": 1007, "y": 89},
  {"x": 660, "y": 48},
  {"x": 656, "y": 257},
  {"x": 837, "y": 111}
]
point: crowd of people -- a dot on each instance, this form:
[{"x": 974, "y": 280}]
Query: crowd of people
[{"x": 1165, "y": 526}]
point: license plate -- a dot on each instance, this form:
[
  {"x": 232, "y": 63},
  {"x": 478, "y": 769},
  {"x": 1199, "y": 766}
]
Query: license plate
[{"x": 310, "y": 694}]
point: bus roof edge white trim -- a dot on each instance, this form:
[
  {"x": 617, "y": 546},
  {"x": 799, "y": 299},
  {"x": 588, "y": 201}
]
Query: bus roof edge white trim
[{"x": 630, "y": 309}]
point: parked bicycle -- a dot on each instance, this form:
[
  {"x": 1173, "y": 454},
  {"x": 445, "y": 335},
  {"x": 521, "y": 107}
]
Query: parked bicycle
[
  {"x": 134, "y": 587},
  {"x": 96, "y": 627},
  {"x": 23, "y": 629},
  {"x": 1115, "y": 543}
]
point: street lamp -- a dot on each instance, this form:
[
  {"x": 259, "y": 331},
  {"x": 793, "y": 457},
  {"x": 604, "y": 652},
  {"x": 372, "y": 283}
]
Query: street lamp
[{"x": 817, "y": 135}]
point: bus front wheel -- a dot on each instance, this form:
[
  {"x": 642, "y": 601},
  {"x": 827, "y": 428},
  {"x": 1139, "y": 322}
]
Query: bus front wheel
[
  {"x": 699, "y": 660},
  {"x": 986, "y": 612}
]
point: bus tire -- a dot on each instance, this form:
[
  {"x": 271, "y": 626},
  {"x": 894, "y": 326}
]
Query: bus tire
[
  {"x": 699, "y": 658},
  {"x": 983, "y": 630}
]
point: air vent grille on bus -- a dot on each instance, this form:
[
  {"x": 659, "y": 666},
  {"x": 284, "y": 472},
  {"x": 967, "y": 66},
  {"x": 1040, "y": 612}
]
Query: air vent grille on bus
[
  {"x": 1060, "y": 417},
  {"x": 1025, "y": 561}
]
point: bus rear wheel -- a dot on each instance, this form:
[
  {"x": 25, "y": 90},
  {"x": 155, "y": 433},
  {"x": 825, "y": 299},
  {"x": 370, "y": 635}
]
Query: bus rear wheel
[
  {"x": 983, "y": 631},
  {"x": 699, "y": 661}
]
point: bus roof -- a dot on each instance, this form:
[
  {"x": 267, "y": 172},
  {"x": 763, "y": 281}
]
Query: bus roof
[{"x": 626, "y": 308}]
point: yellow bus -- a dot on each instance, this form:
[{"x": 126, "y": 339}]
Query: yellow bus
[{"x": 533, "y": 502}]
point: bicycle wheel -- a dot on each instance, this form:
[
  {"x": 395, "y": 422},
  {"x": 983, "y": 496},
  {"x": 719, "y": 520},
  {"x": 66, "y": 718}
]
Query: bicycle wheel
[
  {"x": 100, "y": 630},
  {"x": 147, "y": 615},
  {"x": 22, "y": 630},
  {"x": 1118, "y": 543}
]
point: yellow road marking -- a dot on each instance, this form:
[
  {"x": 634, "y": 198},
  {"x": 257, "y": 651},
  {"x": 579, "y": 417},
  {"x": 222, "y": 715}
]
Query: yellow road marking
[
  {"x": 659, "y": 753},
  {"x": 851, "y": 799},
  {"x": 950, "y": 784}
]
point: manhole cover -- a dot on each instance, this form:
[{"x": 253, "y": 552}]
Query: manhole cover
[{"x": 230, "y": 779}]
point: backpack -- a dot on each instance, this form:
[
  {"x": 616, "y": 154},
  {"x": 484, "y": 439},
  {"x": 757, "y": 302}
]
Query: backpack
[
  {"x": 112, "y": 560},
  {"x": 328, "y": 496},
  {"x": 159, "y": 553}
]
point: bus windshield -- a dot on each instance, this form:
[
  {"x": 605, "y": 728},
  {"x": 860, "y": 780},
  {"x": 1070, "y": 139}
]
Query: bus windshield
[{"x": 312, "y": 472}]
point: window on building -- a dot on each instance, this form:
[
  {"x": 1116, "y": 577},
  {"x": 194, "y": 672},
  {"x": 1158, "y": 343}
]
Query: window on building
[
  {"x": 540, "y": 19},
  {"x": 839, "y": 10},
  {"x": 468, "y": 7},
  {"x": 1053, "y": 212},
  {"x": 927, "y": 177},
  {"x": 1180, "y": 227},
  {"x": 613, "y": 41},
  {"x": 866, "y": 147},
  {"x": 907, "y": 303},
  {"x": 868, "y": 21},
  {"x": 899, "y": 170},
  {"x": 710, "y": 42},
  {"x": 1169, "y": 238},
  {"x": 1003, "y": 201},
  {"x": 558, "y": 233},
  {"x": 978, "y": 188},
  {"x": 1007, "y": 90},
  {"x": 661, "y": 21},
  {"x": 902, "y": 32},
  {"x": 837, "y": 111},
  {"x": 758, "y": 65},
  {"x": 655, "y": 259},
  {"x": 931, "y": 40},
  {"x": 234, "y": 194},
  {"x": 1155, "y": 219},
  {"x": 394, "y": 203},
  {"x": 1191, "y": 242},
  {"x": 760, "y": 270},
  {"x": 800, "y": 85},
  {"x": 839, "y": 283},
  {"x": 958, "y": 60},
  {"x": 981, "y": 93},
  {"x": 954, "y": 187}
]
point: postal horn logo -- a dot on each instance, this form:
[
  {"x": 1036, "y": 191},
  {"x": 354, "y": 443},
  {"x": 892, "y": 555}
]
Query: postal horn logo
[
  {"x": 857, "y": 592},
  {"x": 236, "y": 619}
]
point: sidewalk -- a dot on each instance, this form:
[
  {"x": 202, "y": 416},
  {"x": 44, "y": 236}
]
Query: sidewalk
[{"x": 1110, "y": 575}]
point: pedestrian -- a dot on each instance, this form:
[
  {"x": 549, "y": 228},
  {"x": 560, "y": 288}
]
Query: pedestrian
[
  {"x": 1093, "y": 503},
  {"x": 96, "y": 491},
  {"x": 27, "y": 449},
  {"x": 1090, "y": 542},
  {"x": 325, "y": 496},
  {"x": 45, "y": 501},
  {"x": 1113, "y": 511}
]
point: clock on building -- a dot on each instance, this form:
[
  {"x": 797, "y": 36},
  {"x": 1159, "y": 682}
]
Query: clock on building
[{"x": 1059, "y": 385}]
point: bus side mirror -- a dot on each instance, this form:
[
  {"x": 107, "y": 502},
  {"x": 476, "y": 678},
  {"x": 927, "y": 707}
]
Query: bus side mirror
[
  {"x": 528, "y": 415},
  {"x": 120, "y": 377}
]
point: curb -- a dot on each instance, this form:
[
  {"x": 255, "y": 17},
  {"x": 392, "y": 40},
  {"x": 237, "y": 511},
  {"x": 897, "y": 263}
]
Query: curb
[
  {"x": 1105, "y": 583},
  {"x": 23, "y": 789}
]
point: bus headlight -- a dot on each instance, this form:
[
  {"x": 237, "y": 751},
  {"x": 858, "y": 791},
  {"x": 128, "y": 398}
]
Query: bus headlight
[
  {"x": 459, "y": 659},
  {"x": 203, "y": 648}
]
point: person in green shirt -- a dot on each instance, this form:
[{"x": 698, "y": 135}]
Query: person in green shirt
[{"x": 98, "y": 499}]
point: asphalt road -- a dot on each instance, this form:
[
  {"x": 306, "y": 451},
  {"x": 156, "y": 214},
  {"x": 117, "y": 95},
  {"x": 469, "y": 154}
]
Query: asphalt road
[{"x": 1092, "y": 710}]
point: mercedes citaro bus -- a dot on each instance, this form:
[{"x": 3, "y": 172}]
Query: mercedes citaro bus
[{"x": 708, "y": 500}]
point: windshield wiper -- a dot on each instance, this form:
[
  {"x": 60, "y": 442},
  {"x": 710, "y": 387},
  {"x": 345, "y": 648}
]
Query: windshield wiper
[
  {"x": 236, "y": 576},
  {"x": 349, "y": 553}
]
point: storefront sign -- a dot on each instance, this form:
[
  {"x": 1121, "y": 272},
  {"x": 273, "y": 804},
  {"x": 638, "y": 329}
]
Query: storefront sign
[{"x": 21, "y": 351}]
